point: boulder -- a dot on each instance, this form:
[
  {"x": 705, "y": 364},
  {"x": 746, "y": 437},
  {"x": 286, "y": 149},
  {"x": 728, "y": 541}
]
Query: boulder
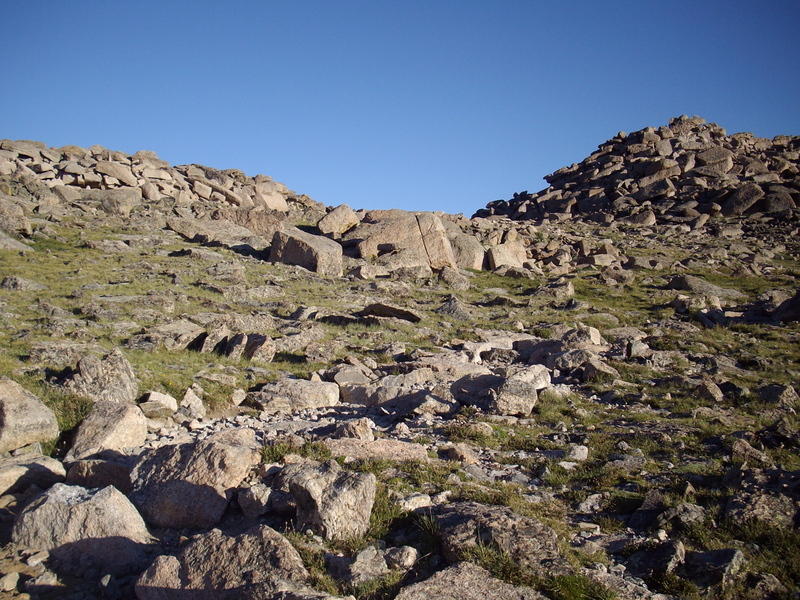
[
  {"x": 18, "y": 473},
  {"x": 291, "y": 395},
  {"x": 466, "y": 581},
  {"x": 119, "y": 202},
  {"x": 332, "y": 502},
  {"x": 742, "y": 199},
  {"x": 380, "y": 309},
  {"x": 109, "y": 377},
  {"x": 468, "y": 525},
  {"x": 338, "y": 220},
  {"x": 382, "y": 449},
  {"x": 518, "y": 394},
  {"x": 24, "y": 419},
  {"x": 435, "y": 242},
  {"x": 508, "y": 254},
  {"x": 158, "y": 406},
  {"x": 118, "y": 171},
  {"x": 219, "y": 566},
  {"x": 76, "y": 525},
  {"x": 292, "y": 246},
  {"x": 100, "y": 472},
  {"x": 190, "y": 485},
  {"x": 468, "y": 251},
  {"x": 109, "y": 426}
]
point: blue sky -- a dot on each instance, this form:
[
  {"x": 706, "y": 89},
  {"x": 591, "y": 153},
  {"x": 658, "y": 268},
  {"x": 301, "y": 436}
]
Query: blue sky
[{"x": 422, "y": 105}]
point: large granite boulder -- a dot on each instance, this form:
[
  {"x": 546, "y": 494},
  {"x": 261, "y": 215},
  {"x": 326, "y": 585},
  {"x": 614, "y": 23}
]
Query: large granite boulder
[
  {"x": 109, "y": 377},
  {"x": 219, "y": 566},
  {"x": 77, "y": 525},
  {"x": 332, "y": 502},
  {"x": 292, "y": 246},
  {"x": 24, "y": 419},
  {"x": 109, "y": 426},
  {"x": 292, "y": 395},
  {"x": 190, "y": 485},
  {"x": 466, "y": 581}
]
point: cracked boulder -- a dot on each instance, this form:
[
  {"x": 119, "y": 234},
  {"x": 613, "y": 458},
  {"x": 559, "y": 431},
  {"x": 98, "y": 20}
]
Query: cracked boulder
[
  {"x": 331, "y": 501},
  {"x": 24, "y": 419},
  {"x": 190, "y": 485},
  {"x": 77, "y": 525},
  {"x": 219, "y": 566}
]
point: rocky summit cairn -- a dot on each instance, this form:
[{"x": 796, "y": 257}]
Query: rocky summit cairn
[
  {"x": 685, "y": 172},
  {"x": 214, "y": 387}
]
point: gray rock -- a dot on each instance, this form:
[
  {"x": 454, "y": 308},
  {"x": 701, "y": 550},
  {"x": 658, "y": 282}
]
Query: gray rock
[
  {"x": 23, "y": 418},
  {"x": 465, "y": 525},
  {"x": 742, "y": 199},
  {"x": 338, "y": 220},
  {"x": 518, "y": 394},
  {"x": 466, "y": 581},
  {"x": 189, "y": 485},
  {"x": 75, "y": 525},
  {"x": 158, "y": 406},
  {"x": 110, "y": 378},
  {"x": 18, "y": 473},
  {"x": 109, "y": 426},
  {"x": 332, "y": 502},
  {"x": 291, "y": 395},
  {"x": 222, "y": 567}
]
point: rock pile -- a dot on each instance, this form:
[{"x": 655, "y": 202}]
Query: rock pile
[
  {"x": 686, "y": 172},
  {"x": 205, "y": 395}
]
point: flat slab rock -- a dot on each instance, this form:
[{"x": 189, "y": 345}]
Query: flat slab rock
[
  {"x": 466, "y": 581},
  {"x": 465, "y": 525},
  {"x": 190, "y": 485},
  {"x": 17, "y": 473},
  {"x": 376, "y": 449}
]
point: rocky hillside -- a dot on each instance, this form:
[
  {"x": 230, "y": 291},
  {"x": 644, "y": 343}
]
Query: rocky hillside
[
  {"x": 214, "y": 387},
  {"x": 686, "y": 172}
]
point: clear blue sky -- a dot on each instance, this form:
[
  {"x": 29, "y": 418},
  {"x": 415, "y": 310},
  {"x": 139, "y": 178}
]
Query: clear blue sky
[{"x": 416, "y": 104}]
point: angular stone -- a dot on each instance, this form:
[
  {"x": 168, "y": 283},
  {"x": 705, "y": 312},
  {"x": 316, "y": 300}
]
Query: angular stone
[
  {"x": 382, "y": 449},
  {"x": 158, "y": 406},
  {"x": 518, "y": 394},
  {"x": 110, "y": 378},
  {"x": 24, "y": 419},
  {"x": 466, "y": 581},
  {"x": 742, "y": 199},
  {"x": 466, "y": 525},
  {"x": 109, "y": 426},
  {"x": 380, "y": 309},
  {"x": 118, "y": 202},
  {"x": 509, "y": 254},
  {"x": 223, "y": 567},
  {"x": 101, "y": 472},
  {"x": 18, "y": 473},
  {"x": 75, "y": 525},
  {"x": 313, "y": 252},
  {"x": 118, "y": 171},
  {"x": 435, "y": 242},
  {"x": 189, "y": 485},
  {"x": 338, "y": 221},
  {"x": 332, "y": 502},
  {"x": 468, "y": 251},
  {"x": 291, "y": 395}
]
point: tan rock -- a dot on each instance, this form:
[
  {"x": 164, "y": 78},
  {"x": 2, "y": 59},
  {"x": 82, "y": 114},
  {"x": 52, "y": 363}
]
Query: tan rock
[
  {"x": 109, "y": 426},
  {"x": 24, "y": 419},
  {"x": 75, "y": 524},
  {"x": 189, "y": 485}
]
